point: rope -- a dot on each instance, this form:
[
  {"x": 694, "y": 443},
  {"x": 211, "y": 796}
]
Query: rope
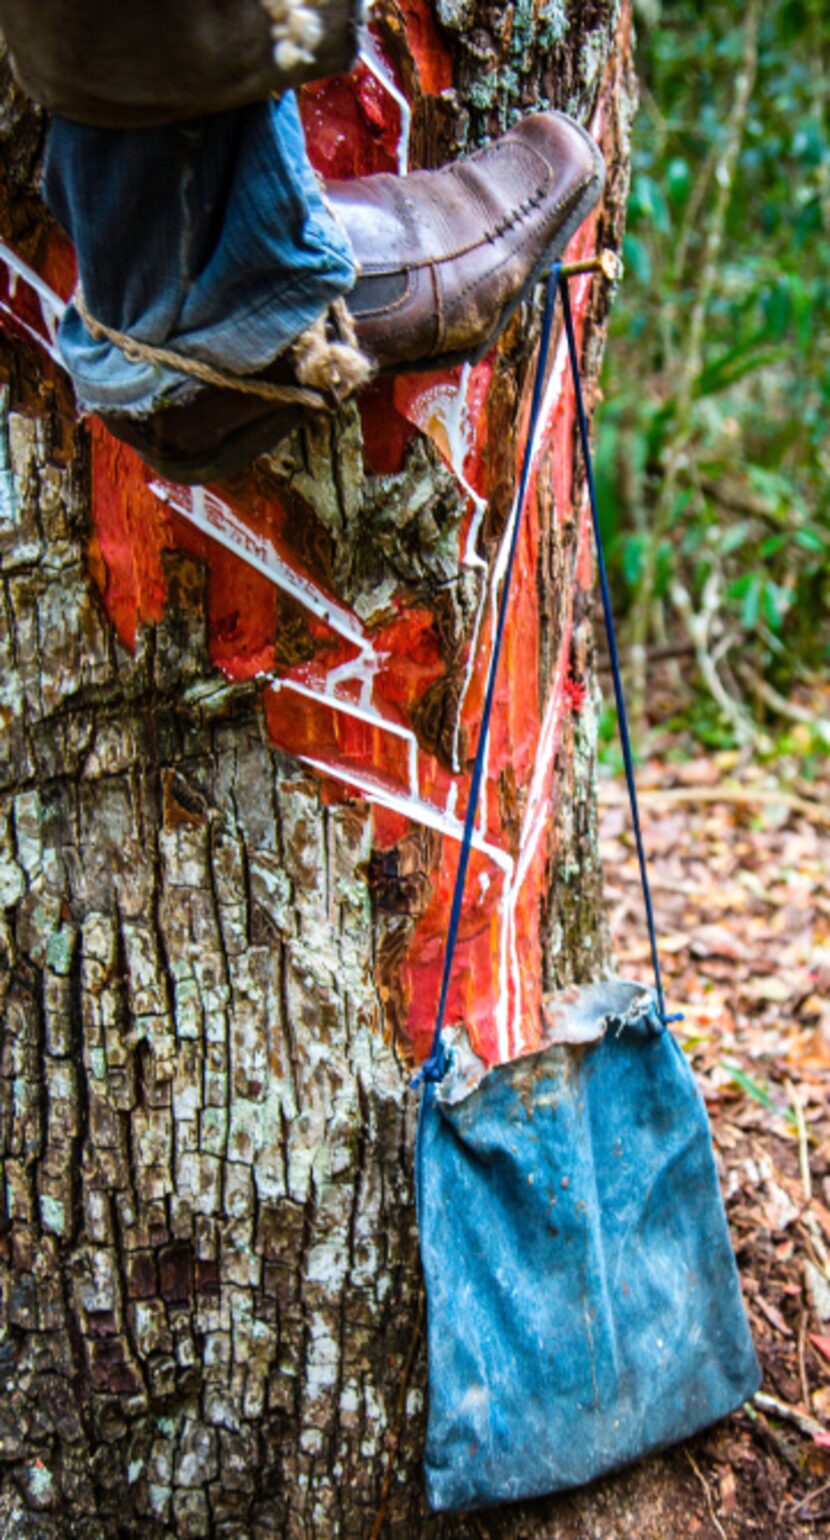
[
  {"x": 296, "y": 31},
  {"x": 610, "y": 631},
  {"x": 333, "y": 366},
  {"x": 436, "y": 1064},
  {"x": 336, "y": 366}
]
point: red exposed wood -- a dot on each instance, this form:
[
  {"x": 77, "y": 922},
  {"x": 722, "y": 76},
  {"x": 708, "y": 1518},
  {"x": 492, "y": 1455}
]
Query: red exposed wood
[
  {"x": 131, "y": 528},
  {"x": 431, "y": 56},
  {"x": 358, "y": 740},
  {"x": 352, "y": 125},
  {"x": 386, "y": 431}
]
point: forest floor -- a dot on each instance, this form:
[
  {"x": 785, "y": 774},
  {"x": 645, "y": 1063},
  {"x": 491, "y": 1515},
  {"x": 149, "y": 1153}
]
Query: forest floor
[
  {"x": 739, "y": 860},
  {"x": 740, "y": 868}
]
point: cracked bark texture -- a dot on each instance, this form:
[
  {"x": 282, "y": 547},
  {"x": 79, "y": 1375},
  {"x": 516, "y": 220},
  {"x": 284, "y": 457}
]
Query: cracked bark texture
[{"x": 210, "y": 1279}]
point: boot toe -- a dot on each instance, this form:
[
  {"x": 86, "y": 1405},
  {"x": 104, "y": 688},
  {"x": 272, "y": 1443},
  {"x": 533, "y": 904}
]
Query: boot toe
[{"x": 446, "y": 256}]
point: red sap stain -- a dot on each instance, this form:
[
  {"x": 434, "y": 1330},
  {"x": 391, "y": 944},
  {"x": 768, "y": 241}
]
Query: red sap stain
[
  {"x": 478, "y": 389},
  {"x": 352, "y": 125},
  {"x": 476, "y": 965},
  {"x": 413, "y": 636},
  {"x": 130, "y": 530},
  {"x": 59, "y": 268},
  {"x": 428, "y": 49},
  {"x": 386, "y": 431},
  {"x": 450, "y": 405},
  {"x": 585, "y": 553},
  {"x": 316, "y": 728},
  {"x": 241, "y": 607},
  {"x": 388, "y": 827},
  {"x": 20, "y": 309},
  {"x": 357, "y": 725},
  {"x": 574, "y": 692}
]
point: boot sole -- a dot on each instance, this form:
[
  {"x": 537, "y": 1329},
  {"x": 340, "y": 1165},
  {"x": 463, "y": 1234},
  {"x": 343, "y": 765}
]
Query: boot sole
[{"x": 236, "y": 452}]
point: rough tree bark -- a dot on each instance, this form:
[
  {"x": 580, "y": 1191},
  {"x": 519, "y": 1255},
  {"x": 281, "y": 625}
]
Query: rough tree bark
[{"x": 235, "y": 733}]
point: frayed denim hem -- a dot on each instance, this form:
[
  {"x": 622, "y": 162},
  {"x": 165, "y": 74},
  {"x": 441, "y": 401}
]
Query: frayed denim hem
[{"x": 208, "y": 238}]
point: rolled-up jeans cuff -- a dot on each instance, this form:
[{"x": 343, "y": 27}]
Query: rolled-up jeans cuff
[
  {"x": 225, "y": 254},
  {"x": 106, "y": 381}
]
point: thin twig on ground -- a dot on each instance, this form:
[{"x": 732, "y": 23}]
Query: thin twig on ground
[
  {"x": 816, "y": 1492},
  {"x": 772, "y": 1438},
  {"x": 709, "y": 1501},
  {"x": 803, "y": 1151},
  {"x": 802, "y": 1359},
  {"x": 801, "y": 1420},
  {"x": 742, "y": 795}
]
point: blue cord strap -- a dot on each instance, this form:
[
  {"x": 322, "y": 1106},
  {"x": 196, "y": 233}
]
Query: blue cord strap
[
  {"x": 610, "y": 631},
  {"x": 435, "y": 1066}
]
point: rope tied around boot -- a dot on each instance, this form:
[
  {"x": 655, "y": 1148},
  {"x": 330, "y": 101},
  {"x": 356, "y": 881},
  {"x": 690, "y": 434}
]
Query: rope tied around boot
[
  {"x": 324, "y": 366},
  {"x": 296, "y": 32},
  {"x": 335, "y": 365}
]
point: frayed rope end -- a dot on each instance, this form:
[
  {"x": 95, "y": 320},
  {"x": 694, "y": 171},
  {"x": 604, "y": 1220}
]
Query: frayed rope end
[{"x": 336, "y": 365}]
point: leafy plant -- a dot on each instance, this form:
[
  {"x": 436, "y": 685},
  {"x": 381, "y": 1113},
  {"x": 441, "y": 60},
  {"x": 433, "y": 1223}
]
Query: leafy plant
[{"x": 713, "y": 456}]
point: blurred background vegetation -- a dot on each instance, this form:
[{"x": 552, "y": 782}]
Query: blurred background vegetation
[{"x": 713, "y": 446}]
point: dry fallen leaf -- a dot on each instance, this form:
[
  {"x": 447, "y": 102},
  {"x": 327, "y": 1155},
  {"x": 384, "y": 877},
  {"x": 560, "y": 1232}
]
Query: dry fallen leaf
[
  {"x": 822, "y": 1343},
  {"x": 773, "y": 1315},
  {"x": 819, "y": 1290},
  {"x": 764, "y": 991},
  {"x": 779, "y": 1209},
  {"x": 728, "y": 1490},
  {"x": 742, "y": 900},
  {"x": 718, "y": 941}
]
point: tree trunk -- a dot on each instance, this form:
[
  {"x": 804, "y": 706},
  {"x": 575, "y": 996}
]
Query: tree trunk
[{"x": 237, "y": 730}]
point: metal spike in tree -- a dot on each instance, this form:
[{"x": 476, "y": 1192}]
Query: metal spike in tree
[{"x": 236, "y": 728}]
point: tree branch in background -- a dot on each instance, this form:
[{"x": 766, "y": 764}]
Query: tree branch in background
[{"x": 688, "y": 368}]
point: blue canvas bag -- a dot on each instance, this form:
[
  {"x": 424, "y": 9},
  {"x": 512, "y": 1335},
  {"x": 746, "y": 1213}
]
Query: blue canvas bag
[{"x": 583, "y": 1304}]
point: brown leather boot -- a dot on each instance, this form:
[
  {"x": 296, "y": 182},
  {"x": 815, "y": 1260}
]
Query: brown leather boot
[
  {"x": 445, "y": 259},
  {"x": 447, "y": 256}
]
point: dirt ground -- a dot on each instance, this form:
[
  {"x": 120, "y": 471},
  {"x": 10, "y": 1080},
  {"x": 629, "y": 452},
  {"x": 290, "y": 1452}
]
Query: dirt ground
[
  {"x": 740, "y": 868},
  {"x": 739, "y": 858}
]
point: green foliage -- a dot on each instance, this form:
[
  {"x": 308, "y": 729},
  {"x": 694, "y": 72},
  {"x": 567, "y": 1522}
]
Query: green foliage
[
  {"x": 759, "y": 1093},
  {"x": 713, "y": 454}
]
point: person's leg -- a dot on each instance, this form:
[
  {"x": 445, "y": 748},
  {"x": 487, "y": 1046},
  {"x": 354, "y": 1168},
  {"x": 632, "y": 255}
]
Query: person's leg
[{"x": 208, "y": 238}]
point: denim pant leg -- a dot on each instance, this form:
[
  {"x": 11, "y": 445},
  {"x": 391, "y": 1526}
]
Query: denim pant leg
[{"x": 208, "y": 237}]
